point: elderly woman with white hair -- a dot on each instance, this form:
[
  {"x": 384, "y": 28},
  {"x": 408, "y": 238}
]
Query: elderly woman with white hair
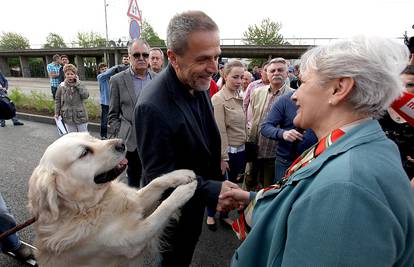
[{"x": 347, "y": 200}]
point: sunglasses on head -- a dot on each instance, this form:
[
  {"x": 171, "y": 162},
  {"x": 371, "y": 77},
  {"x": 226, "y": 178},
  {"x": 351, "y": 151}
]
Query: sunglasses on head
[{"x": 138, "y": 55}]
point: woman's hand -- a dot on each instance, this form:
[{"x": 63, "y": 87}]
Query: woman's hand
[
  {"x": 224, "y": 165},
  {"x": 234, "y": 198}
]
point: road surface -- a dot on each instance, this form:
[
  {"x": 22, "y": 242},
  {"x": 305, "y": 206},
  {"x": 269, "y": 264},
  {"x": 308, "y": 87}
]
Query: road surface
[{"x": 21, "y": 150}]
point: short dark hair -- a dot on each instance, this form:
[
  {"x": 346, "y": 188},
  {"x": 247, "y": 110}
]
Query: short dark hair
[
  {"x": 265, "y": 64},
  {"x": 102, "y": 65},
  {"x": 64, "y": 56},
  {"x": 55, "y": 57}
]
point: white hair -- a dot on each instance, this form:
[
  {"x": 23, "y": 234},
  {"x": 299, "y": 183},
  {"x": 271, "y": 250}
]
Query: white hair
[{"x": 374, "y": 63}]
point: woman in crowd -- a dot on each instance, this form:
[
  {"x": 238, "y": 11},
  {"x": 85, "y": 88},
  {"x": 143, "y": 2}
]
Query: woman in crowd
[
  {"x": 398, "y": 130},
  {"x": 69, "y": 102},
  {"x": 231, "y": 121},
  {"x": 347, "y": 200}
]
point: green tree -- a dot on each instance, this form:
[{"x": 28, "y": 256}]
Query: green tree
[
  {"x": 90, "y": 39},
  {"x": 12, "y": 40},
  {"x": 149, "y": 35},
  {"x": 267, "y": 33},
  {"x": 54, "y": 40}
]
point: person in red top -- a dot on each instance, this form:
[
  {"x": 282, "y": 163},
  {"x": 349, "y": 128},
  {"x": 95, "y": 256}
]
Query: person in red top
[{"x": 213, "y": 88}]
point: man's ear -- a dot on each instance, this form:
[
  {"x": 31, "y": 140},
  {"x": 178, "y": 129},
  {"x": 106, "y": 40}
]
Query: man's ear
[
  {"x": 172, "y": 57},
  {"x": 341, "y": 90}
]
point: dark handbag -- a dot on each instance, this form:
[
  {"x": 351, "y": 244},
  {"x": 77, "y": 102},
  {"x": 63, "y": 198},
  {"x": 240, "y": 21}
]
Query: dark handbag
[
  {"x": 7, "y": 107},
  {"x": 251, "y": 151}
]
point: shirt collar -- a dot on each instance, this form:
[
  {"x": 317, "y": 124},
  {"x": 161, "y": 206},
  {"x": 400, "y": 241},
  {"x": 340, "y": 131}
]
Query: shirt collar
[
  {"x": 278, "y": 92},
  {"x": 147, "y": 76},
  {"x": 229, "y": 95}
]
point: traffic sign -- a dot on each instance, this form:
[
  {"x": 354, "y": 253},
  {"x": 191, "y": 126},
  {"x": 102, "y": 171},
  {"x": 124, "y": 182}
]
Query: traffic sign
[
  {"x": 133, "y": 10},
  {"x": 134, "y": 29}
]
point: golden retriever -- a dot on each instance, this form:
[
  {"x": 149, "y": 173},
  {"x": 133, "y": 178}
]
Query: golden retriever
[{"x": 84, "y": 218}]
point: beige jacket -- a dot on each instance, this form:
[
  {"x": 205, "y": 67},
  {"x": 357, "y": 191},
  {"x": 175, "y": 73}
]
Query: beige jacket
[
  {"x": 70, "y": 102},
  {"x": 230, "y": 119},
  {"x": 257, "y": 103}
]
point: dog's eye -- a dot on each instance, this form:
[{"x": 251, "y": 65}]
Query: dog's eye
[{"x": 85, "y": 152}]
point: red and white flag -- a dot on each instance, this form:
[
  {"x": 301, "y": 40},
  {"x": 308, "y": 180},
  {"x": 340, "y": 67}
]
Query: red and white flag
[{"x": 404, "y": 106}]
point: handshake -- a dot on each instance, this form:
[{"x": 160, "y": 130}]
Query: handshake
[{"x": 232, "y": 197}]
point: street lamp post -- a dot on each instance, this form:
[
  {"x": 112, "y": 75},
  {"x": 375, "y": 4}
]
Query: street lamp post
[
  {"x": 106, "y": 23},
  {"x": 106, "y": 57}
]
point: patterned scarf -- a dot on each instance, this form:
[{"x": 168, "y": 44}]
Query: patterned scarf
[{"x": 241, "y": 225}]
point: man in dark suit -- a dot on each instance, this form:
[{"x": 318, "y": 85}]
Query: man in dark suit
[
  {"x": 176, "y": 129},
  {"x": 125, "y": 88}
]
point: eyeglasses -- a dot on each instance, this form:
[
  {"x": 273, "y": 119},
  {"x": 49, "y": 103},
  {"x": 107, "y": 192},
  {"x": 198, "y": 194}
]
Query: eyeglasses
[{"x": 138, "y": 55}]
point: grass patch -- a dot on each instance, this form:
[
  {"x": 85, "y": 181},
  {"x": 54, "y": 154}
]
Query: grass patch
[{"x": 41, "y": 103}]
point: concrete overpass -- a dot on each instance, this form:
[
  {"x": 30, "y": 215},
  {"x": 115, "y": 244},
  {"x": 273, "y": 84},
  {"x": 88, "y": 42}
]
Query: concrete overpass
[{"x": 112, "y": 55}]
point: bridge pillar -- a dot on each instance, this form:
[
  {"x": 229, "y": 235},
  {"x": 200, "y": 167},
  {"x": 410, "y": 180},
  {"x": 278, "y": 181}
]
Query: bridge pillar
[
  {"x": 111, "y": 59},
  {"x": 24, "y": 64},
  {"x": 118, "y": 57},
  {"x": 4, "y": 66},
  {"x": 46, "y": 60},
  {"x": 81, "y": 67}
]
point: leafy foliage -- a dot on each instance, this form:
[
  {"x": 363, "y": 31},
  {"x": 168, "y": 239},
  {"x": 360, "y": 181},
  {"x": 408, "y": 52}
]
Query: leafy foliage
[
  {"x": 149, "y": 35},
  {"x": 54, "y": 40},
  {"x": 90, "y": 39},
  {"x": 267, "y": 33},
  {"x": 13, "y": 41}
]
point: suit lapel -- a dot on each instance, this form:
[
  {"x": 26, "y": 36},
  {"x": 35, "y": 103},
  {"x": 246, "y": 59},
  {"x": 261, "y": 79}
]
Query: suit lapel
[
  {"x": 130, "y": 86},
  {"x": 178, "y": 97}
]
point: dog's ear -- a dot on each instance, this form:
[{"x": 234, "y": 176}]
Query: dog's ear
[{"x": 42, "y": 194}]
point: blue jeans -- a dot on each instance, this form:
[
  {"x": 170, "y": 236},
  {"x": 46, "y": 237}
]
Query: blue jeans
[
  {"x": 281, "y": 166},
  {"x": 53, "y": 90},
  {"x": 11, "y": 242},
  {"x": 104, "y": 120}
]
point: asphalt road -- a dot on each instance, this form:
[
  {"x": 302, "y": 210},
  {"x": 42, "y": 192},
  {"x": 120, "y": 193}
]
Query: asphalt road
[{"x": 21, "y": 150}]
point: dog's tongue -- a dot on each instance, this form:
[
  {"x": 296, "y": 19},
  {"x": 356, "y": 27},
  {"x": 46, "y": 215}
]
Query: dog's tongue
[{"x": 124, "y": 162}]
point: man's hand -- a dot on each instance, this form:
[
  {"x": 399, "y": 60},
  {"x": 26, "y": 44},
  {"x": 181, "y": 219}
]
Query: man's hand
[
  {"x": 292, "y": 135},
  {"x": 232, "y": 197}
]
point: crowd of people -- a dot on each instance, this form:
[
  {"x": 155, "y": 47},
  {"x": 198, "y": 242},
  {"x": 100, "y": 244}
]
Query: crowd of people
[{"x": 297, "y": 150}]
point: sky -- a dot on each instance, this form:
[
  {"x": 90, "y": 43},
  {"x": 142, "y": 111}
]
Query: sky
[{"x": 299, "y": 18}]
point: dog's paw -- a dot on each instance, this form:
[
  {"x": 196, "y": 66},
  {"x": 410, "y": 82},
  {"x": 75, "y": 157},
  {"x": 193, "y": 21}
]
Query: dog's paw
[
  {"x": 183, "y": 193},
  {"x": 180, "y": 177}
]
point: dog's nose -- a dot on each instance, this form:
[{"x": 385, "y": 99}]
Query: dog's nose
[{"x": 120, "y": 147}]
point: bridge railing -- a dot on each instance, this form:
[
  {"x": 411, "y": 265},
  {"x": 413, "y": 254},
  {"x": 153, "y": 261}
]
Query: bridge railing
[
  {"x": 227, "y": 41},
  {"x": 292, "y": 41}
]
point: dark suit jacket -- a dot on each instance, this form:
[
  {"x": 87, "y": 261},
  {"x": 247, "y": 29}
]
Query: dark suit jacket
[{"x": 169, "y": 138}]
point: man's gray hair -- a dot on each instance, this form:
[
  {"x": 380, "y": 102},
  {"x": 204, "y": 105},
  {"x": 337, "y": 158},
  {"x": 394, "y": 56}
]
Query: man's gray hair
[
  {"x": 138, "y": 41},
  {"x": 374, "y": 63},
  {"x": 182, "y": 25},
  {"x": 159, "y": 50}
]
